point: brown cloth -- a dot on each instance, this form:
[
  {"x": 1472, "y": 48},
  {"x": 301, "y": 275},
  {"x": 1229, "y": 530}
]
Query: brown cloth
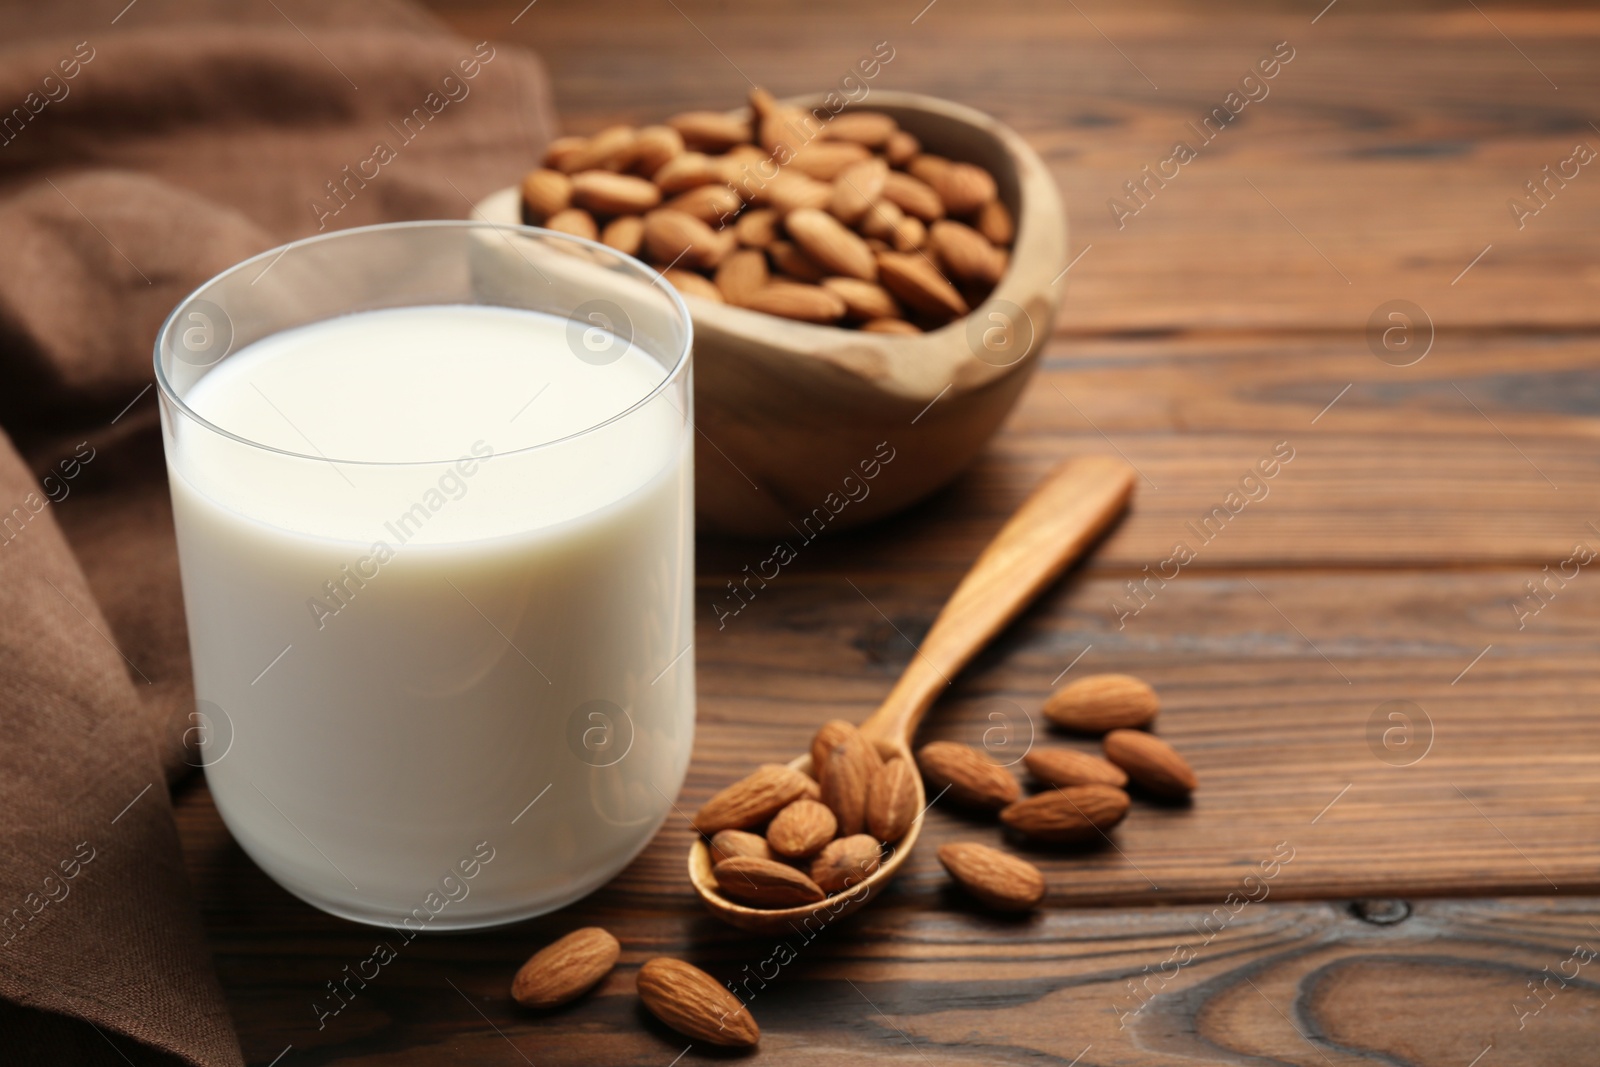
[{"x": 143, "y": 148}]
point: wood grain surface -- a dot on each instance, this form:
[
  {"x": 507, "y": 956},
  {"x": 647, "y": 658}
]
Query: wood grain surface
[{"x": 1382, "y": 570}]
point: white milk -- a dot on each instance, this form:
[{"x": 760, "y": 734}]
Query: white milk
[{"x": 409, "y": 653}]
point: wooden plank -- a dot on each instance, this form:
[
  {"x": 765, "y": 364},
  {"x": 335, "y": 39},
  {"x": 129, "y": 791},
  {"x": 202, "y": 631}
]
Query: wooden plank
[
  {"x": 1381, "y": 169},
  {"x": 911, "y": 981}
]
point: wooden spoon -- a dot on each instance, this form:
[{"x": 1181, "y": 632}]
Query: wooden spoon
[{"x": 1064, "y": 516}]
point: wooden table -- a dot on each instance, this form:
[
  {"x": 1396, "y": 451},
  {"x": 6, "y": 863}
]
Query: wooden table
[{"x": 1441, "y": 890}]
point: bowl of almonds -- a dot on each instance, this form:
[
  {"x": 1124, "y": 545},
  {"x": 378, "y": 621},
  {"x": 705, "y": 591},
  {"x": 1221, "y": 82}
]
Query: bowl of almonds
[{"x": 870, "y": 287}]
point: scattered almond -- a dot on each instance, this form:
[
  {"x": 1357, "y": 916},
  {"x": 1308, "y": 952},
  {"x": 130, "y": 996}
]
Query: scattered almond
[
  {"x": 752, "y": 800},
  {"x": 1003, "y": 882},
  {"x": 764, "y": 883},
  {"x": 801, "y": 829},
  {"x": 1151, "y": 763},
  {"x": 726, "y": 844},
  {"x": 1101, "y": 702},
  {"x": 847, "y": 862},
  {"x": 966, "y": 775},
  {"x": 848, "y": 771},
  {"x": 1065, "y": 766},
  {"x": 1076, "y": 813},
  {"x": 695, "y": 1004},
  {"x": 892, "y": 801},
  {"x": 565, "y": 969}
]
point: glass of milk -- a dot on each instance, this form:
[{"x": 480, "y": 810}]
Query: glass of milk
[{"x": 433, "y": 490}]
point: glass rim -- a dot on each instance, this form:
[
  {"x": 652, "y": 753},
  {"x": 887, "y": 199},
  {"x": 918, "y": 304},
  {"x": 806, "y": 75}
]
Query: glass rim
[{"x": 632, "y": 263}]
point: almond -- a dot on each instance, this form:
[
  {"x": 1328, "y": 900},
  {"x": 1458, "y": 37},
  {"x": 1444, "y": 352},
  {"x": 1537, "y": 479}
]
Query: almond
[
  {"x": 1065, "y": 766},
  {"x": 762, "y": 103},
  {"x": 562, "y": 149},
  {"x": 863, "y": 300},
  {"x": 689, "y": 283},
  {"x": 742, "y": 274},
  {"x": 801, "y": 828},
  {"x": 892, "y": 802},
  {"x": 962, "y": 187},
  {"x": 545, "y": 192},
  {"x": 611, "y": 148},
  {"x": 573, "y": 220},
  {"x": 901, "y": 148},
  {"x": 625, "y": 233},
  {"x": 994, "y": 222},
  {"x": 913, "y": 196},
  {"x": 790, "y": 191},
  {"x": 899, "y": 326},
  {"x": 695, "y": 1004},
  {"x": 813, "y": 791},
  {"x": 710, "y": 131},
  {"x": 1003, "y": 882},
  {"x": 605, "y": 193},
  {"x": 826, "y": 160},
  {"x": 857, "y": 189},
  {"x": 1151, "y": 763},
  {"x": 565, "y": 969},
  {"x": 751, "y": 800},
  {"x": 686, "y": 171},
  {"x": 727, "y": 844},
  {"x": 673, "y": 237},
  {"x": 826, "y": 240},
  {"x": 846, "y": 862},
  {"x": 848, "y": 771},
  {"x": 964, "y": 252},
  {"x": 1076, "y": 813},
  {"x": 653, "y": 147},
  {"x": 910, "y": 234},
  {"x": 785, "y": 131},
  {"x": 793, "y": 300},
  {"x": 966, "y": 775},
  {"x": 757, "y": 228},
  {"x": 869, "y": 128},
  {"x": 826, "y": 739},
  {"x": 910, "y": 277},
  {"x": 1102, "y": 702},
  {"x": 765, "y": 883},
  {"x": 713, "y": 205},
  {"x": 881, "y": 220},
  {"x": 787, "y": 257}
]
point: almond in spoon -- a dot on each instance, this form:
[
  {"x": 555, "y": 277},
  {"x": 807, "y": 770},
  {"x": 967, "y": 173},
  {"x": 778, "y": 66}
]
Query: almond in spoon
[
  {"x": 801, "y": 829},
  {"x": 764, "y": 883},
  {"x": 752, "y": 800},
  {"x": 892, "y": 800},
  {"x": 846, "y": 777},
  {"x": 847, "y": 862}
]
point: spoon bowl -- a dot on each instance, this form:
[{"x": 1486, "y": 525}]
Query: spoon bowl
[{"x": 1065, "y": 515}]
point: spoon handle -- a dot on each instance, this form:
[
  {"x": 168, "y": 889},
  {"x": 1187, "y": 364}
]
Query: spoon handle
[{"x": 1064, "y": 516}]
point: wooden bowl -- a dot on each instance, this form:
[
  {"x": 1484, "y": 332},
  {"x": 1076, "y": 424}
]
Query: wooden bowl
[{"x": 806, "y": 427}]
